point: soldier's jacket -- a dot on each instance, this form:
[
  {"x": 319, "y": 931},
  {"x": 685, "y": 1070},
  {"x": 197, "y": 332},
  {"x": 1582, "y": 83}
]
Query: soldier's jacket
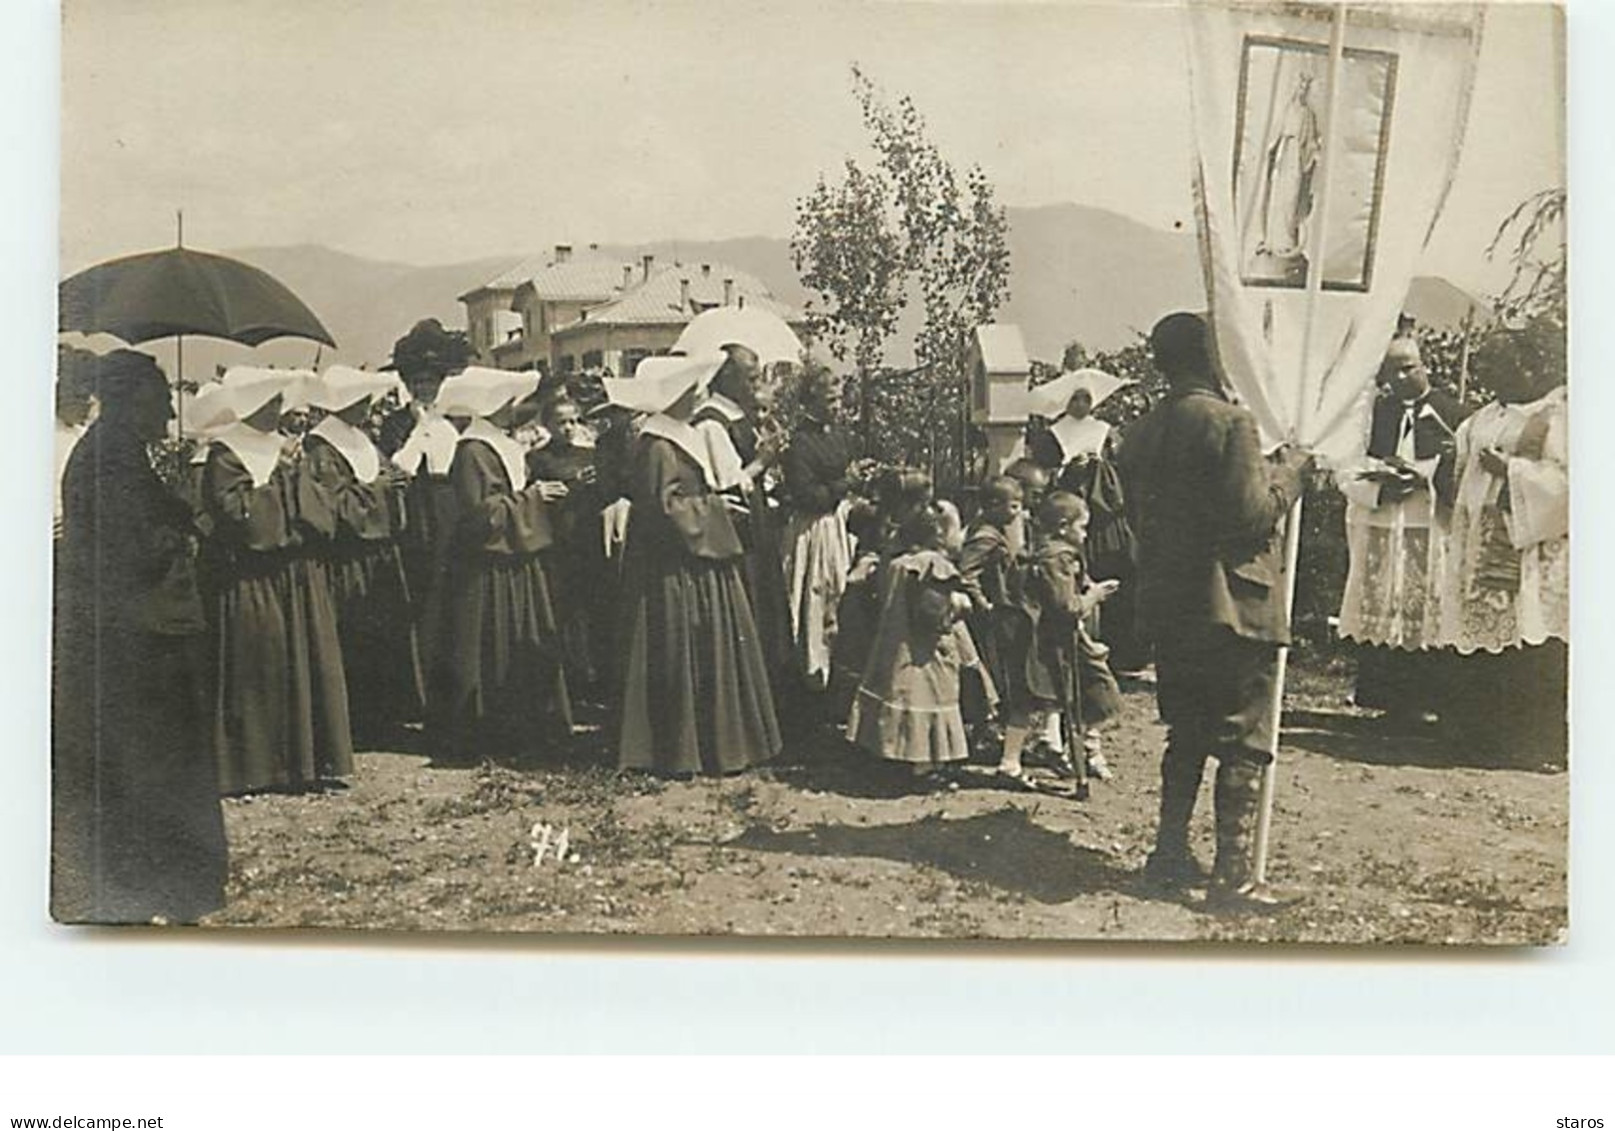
[{"x": 1205, "y": 506}]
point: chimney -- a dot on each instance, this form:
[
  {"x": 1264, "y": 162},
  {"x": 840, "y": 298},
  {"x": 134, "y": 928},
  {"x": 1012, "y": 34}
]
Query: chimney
[
  {"x": 706, "y": 270},
  {"x": 645, "y": 264},
  {"x": 728, "y": 292},
  {"x": 684, "y": 294},
  {"x": 563, "y": 252},
  {"x": 627, "y": 275}
]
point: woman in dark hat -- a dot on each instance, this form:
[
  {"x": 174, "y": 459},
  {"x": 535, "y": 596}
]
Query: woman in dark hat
[{"x": 137, "y": 831}]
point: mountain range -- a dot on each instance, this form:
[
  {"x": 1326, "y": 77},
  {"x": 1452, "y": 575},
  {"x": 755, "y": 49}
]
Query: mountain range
[{"x": 1077, "y": 274}]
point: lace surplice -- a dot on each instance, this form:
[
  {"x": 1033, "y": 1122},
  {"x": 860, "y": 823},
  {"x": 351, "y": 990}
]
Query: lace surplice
[{"x": 1508, "y": 569}]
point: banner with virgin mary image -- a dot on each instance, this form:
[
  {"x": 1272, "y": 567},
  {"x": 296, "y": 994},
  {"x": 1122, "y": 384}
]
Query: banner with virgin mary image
[
  {"x": 1285, "y": 174},
  {"x": 1279, "y": 147}
]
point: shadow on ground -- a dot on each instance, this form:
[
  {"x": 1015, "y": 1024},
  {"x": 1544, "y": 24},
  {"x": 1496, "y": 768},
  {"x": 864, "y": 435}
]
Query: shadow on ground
[
  {"x": 1372, "y": 741},
  {"x": 1003, "y": 849}
]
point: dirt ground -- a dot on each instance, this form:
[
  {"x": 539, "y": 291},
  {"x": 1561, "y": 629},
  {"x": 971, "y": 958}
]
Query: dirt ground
[{"x": 1390, "y": 838}]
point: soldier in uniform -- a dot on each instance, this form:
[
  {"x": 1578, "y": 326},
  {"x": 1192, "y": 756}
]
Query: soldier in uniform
[{"x": 1206, "y": 507}]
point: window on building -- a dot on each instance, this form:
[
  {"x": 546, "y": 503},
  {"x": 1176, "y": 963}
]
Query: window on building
[
  {"x": 565, "y": 363},
  {"x": 631, "y": 360},
  {"x": 593, "y": 359}
]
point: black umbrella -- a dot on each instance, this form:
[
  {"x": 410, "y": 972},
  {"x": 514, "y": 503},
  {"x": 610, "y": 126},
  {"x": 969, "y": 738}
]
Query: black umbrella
[{"x": 181, "y": 292}]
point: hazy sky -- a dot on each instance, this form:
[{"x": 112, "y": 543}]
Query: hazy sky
[{"x": 429, "y": 132}]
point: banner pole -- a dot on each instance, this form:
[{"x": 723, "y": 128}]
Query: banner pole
[
  {"x": 179, "y": 345},
  {"x": 1316, "y": 250},
  {"x": 1463, "y": 356},
  {"x": 1264, "y": 821}
]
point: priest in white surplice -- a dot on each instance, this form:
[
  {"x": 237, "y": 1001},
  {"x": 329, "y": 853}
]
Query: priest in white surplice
[
  {"x": 1506, "y": 597},
  {"x": 1395, "y": 533}
]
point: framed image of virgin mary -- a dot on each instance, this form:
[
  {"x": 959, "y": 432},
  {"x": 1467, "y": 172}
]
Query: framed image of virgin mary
[{"x": 1279, "y": 149}]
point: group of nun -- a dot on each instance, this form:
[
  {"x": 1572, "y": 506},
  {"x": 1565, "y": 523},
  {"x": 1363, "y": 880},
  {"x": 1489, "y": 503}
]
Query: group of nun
[
  {"x": 507, "y": 562},
  {"x": 306, "y": 592},
  {"x": 231, "y": 636}
]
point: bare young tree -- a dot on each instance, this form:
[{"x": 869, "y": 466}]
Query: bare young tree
[
  {"x": 1538, "y": 287},
  {"x": 912, "y": 226}
]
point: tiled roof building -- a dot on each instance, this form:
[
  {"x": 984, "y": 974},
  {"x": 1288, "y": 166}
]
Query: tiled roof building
[
  {"x": 566, "y": 282},
  {"x": 649, "y": 318},
  {"x": 596, "y": 311}
]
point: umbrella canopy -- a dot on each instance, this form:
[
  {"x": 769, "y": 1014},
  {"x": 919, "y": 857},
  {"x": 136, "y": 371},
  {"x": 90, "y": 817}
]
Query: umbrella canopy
[
  {"x": 1049, "y": 399},
  {"x": 764, "y": 333},
  {"x": 164, "y": 294}
]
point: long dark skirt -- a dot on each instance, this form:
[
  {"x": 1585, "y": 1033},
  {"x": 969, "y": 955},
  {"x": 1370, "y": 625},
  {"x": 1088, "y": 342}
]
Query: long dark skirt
[
  {"x": 424, "y": 546},
  {"x": 1509, "y": 708},
  {"x": 857, "y": 616},
  {"x": 696, "y": 692},
  {"x": 1118, "y": 627},
  {"x": 1400, "y": 681},
  {"x": 1002, "y": 637},
  {"x": 765, "y": 581},
  {"x": 386, "y": 686},
  {"x": 576, "y": 580},
  {"x": 137, "y": 830},
  {"x": 498, "y": 687},
  {"x": 281, "y": 709}
]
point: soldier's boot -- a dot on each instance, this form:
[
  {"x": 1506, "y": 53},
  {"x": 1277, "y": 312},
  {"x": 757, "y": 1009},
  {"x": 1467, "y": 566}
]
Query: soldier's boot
[
  {"x": 1234, "y": 889},
  {"x": 1172, "y": 863}
]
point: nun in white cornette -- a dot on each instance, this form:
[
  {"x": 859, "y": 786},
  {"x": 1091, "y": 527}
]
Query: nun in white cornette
[
  {"x": 386, "y": 687},
  {"x": 281, "y": 702}
]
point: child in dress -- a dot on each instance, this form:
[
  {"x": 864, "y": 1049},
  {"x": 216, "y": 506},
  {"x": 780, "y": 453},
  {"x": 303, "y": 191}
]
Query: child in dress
[
  {"x": 907, "y": 706},
  {"x": 1068, "y": 679},
  {"x": 900, "y": 492}
]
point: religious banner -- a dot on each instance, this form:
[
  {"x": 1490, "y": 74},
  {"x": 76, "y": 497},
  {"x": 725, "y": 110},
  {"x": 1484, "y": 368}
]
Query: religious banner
[
  {"x": 1314, "y": 203},
  {"x": 1279, "y": 148}
]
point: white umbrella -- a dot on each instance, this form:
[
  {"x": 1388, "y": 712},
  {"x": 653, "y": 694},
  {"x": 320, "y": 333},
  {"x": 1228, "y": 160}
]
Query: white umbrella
[
  {"x": 764, "y": 333},
  {"x": 1049, "y": 399}
]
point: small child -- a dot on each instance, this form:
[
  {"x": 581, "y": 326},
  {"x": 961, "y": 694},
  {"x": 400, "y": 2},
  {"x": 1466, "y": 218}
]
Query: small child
[
  {"x": 1034, "y": 481},
  {"x": 1067, "y": 674},
  {"x": 989, "y": 565},
  {"x": 900, "y": 493},
  {"x": 907, "y": 708}
]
